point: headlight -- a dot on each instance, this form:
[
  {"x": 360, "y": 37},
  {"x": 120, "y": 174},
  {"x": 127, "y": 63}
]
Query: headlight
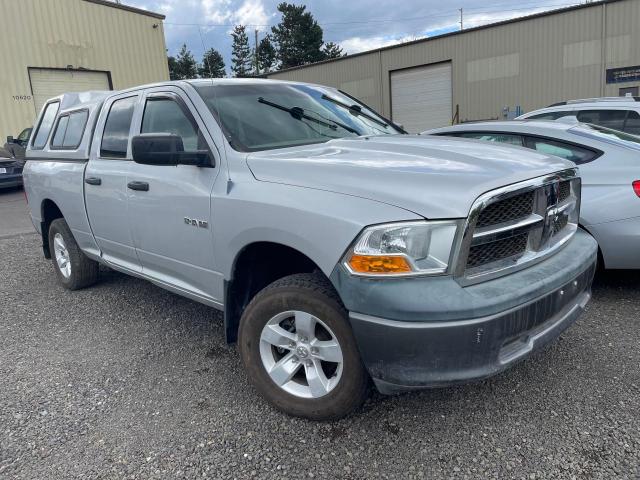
[{"x": 400, "y": 249}]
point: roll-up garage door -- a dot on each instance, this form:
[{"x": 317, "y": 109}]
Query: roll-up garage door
[
  {"x": 421, "y": 97},
  {"x": 47, "y": 83}
]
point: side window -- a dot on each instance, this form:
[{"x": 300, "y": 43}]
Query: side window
[
  {"x": 495, "y": 137},
  {"x": 23, "y": 138},
  {"x": 42, "y": 133},
  {"x": 560, "y": 149},
  {"x": 115, "y": 137},
  {"x": 605, "y": 118},
  {"x": 633, "y": 123},
  {"x": 69, "y": 131},
  {"x": 165, "y": 115},
  {"x": 550, "y": 115}
]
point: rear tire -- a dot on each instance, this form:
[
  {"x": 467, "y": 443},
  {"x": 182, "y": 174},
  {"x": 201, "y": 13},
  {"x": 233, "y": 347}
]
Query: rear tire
[
  {"x": 299, "y": 351},
  {"x": 73, "y": 268}
]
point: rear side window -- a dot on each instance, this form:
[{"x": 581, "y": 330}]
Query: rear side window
[
  {"x": 44, "y": 129},
  {"x": 605, "y": 118},
  {"x": 69, "y": 131},
  {"x": 494, "y": 137},
  {"x": 550, "y": 115},
  {"x": 115, "y": 137},
  {"x": 564, "y": 150},
  {"x": 633, "y": 123}
]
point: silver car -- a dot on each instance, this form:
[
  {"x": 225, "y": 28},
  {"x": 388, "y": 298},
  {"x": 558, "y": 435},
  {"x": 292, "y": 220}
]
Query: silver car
[{"x": 608, "y": 161}]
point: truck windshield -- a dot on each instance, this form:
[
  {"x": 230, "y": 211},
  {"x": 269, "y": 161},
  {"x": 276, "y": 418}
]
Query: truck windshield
[{"x": 267, "y": 116}]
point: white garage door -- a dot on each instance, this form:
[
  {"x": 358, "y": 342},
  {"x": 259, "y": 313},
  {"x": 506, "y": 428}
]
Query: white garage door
[
  {"x": 47, "y": 83},
  {"x": 421, "y": 97}
]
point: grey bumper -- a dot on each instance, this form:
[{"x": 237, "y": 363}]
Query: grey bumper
[{"x": 429, "y": 332}]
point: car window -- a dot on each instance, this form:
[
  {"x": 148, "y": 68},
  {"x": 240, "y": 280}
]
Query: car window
[
  {"x": 606, "y": 118},
  {"x": 494, "y": 137},
  {"x": 633, "y": 123},
  {"x": 69, "y": 130},
  {"x": 564, "y": 150},
  {"x": 266, "y": 116},
  {"x": 61, "y": 128},
  {"x": 24, "y": 135},
  {"x": 44, "y": 129},
  {"x": 115, "y": 137},
  {"x": 607, "y": 135},
  {"x": 165, "y": 115},
  {"x": 550, "y": 115}
]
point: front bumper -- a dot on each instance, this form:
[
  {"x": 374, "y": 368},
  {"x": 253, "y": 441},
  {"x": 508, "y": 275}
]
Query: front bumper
[{"x": 430, "y": 331}]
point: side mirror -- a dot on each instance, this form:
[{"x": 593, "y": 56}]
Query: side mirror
[
  {"x": 166, "y": 149},
  {"x": 10, "y": 139}
]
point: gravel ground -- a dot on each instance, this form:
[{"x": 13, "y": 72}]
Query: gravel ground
[{"x": 125, "y": 380}]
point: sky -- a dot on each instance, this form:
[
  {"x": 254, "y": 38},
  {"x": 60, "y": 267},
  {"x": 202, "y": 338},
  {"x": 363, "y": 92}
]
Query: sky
[{"x": 356, "y": 25}]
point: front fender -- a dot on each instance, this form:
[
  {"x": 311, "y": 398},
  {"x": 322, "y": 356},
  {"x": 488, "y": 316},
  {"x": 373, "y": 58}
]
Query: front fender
[{"x": 317, "y": 223}]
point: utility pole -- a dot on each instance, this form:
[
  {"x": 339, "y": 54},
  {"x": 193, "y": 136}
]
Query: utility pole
[
  {"x": 461, "y": 24},
  {"x": 256, "y": 53}
]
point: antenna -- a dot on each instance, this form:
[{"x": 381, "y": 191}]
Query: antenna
[{"x": 461, "y": 19}]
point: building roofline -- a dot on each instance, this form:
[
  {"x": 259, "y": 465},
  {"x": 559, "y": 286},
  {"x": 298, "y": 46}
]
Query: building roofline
[
  {"x": 120, "y": 6},
  {"x": 451, "y": 34}
]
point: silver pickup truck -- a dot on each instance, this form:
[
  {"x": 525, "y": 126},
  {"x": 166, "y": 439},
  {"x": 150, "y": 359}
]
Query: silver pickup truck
[{"x": 340, "y": 249}]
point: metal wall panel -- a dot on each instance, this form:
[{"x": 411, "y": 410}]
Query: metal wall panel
[
  {"x": 540, "y": 60},
  {"x": 421, "y": 97},
  {"x": 78, "y": 34}
]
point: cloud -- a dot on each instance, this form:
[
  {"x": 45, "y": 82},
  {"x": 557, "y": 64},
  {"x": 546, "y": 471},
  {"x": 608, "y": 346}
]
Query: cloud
[
  {"x": 252, "y": 12},
  {"x": 362, "y": 44},
  {"x": 216, "y": 11}
]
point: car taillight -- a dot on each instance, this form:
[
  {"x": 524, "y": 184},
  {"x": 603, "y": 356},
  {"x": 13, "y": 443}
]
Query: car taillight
[{"x": 636, "y": 187}]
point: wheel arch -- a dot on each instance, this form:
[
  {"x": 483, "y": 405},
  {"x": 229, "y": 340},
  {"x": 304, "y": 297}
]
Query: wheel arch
[
  {"x": 49, "y": 211},
  {"x": 255, "y": 266}
]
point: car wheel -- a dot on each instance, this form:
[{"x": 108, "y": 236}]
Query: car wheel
[
  {"x": 299, "y": 351},
  {"x": 73, "y": 268}
]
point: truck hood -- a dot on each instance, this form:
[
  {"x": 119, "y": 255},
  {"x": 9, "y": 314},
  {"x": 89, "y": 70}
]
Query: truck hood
[{"x": 435, "y": 177}]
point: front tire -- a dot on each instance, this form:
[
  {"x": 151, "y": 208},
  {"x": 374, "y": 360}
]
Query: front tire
[
  {"x": 299, "y": 351},
  {"x": 73, "y": 268}
]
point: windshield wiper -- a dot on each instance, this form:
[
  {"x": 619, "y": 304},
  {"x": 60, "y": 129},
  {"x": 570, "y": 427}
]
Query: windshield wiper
[
  {"x": 299, "y": 114},
  {"x": 355, "y": 109}
]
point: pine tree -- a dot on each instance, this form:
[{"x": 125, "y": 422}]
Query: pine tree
[
  {"x": 241, "y": 58},
  {"x": 298, "y": 36},
  {"x": 266, "y": 55},
  {"x": 186, "y": 64},
  {"x": 332, "y": 50},
  {"x": 212, "y": 65},
  {"x": 173, "y": 68}
]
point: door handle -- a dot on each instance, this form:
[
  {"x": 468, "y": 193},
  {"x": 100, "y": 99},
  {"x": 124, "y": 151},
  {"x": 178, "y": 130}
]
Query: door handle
[
  {"x": 140, "y": 186},
  {"x": 93, "y": 181}
]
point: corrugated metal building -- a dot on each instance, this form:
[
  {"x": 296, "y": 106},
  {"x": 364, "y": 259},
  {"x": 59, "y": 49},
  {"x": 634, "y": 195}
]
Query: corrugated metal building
[
  {"x": 494, "y": 71},
  {"x": 49, "y": 47}
]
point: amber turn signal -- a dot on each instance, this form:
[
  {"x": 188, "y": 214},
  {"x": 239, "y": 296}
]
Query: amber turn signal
[{"x": 379, "y": 264}]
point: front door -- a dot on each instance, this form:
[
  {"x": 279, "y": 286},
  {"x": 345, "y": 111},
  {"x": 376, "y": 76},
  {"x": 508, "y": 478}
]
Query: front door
[
  {"x": 106, "y": 183},
  {"x": 170, "y": 207}
]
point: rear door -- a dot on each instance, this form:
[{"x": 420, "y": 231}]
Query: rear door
[
  {"x": 171, "y": 216},
  {"x": 106, "y": 182}
]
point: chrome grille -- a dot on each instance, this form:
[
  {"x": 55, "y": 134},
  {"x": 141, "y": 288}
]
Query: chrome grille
[
  {"x": 508, "y": 209},
  {"x": 501, "y": 249},
  {"x": 516, "y": 225}
]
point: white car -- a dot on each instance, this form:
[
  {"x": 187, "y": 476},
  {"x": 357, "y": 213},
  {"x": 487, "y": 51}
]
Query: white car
[
  {"x": 609, "y": 163},
  {"x": 619, "y": 113}
]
